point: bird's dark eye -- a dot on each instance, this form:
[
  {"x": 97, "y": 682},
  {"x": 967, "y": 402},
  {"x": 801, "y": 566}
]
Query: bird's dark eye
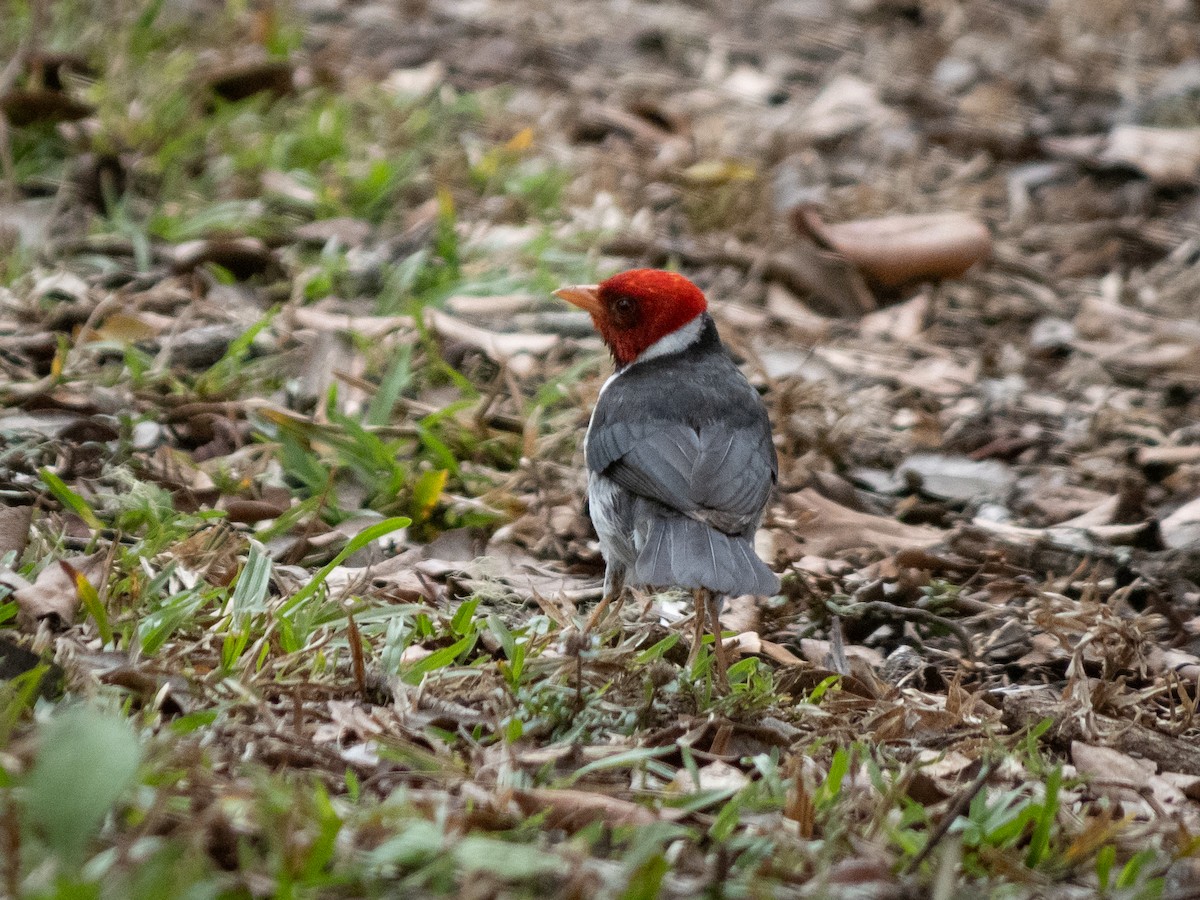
[{"x": 624, "y": 311}]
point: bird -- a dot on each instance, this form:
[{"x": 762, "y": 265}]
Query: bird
[{"x": 679, "y": 451}]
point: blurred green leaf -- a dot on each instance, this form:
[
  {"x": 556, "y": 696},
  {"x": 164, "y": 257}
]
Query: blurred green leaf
[
  {"x": 418, "y": 843},
  {"x": 87, "y": 760},
  {"x": 504, "y": 860}
]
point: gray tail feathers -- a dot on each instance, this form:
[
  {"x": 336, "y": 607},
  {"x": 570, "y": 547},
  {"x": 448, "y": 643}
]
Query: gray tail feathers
[{"x": 682, "y": 552}]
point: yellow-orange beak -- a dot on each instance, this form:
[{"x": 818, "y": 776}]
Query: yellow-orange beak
[{"x": 585, "y": 296}]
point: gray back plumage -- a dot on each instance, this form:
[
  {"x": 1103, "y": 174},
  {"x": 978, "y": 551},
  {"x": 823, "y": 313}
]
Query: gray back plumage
[{"x": 682, "y": 469}]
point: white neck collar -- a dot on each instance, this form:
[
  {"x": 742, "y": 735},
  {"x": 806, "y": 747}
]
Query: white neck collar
[{"x": 679, "y": 339}]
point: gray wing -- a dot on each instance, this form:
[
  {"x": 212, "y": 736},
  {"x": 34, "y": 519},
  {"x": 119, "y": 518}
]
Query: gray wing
[{"x": 713, "y": 473}]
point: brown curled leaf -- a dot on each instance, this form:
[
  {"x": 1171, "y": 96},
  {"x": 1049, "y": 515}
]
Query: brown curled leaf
[{"x": 898, "y": 250}]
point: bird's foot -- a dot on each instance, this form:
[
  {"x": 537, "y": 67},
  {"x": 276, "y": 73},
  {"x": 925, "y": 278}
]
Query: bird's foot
[
  {"x": 714, "y": 621},
  {"x": 707, "y": 613},
  {"x": 699, "y": 610}
]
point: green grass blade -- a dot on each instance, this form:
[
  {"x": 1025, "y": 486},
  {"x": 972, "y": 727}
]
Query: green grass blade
[
  {"x": 90, "y": 599},
  {"x": 1039, "y": 843},
  {"x": 251, "y": 590},
  {"x": 68, "y": 498},
  {"x": 360, "y": 540}
]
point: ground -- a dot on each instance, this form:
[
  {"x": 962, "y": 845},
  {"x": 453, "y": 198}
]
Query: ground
[{"x": 294, "y": 560}]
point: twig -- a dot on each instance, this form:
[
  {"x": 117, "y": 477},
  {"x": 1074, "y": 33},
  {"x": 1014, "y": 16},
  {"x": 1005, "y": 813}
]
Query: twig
[
  {"x": 837, "y": 648},
  {"x": 912, "y": 613},
  {"x": 356, "y": 654}
]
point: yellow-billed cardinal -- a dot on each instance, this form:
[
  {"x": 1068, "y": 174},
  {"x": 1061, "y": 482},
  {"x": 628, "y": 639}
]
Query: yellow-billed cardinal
[{"x": 679, "y": 452}]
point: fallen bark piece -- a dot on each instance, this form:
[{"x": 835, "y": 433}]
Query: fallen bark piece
[
  {"x": 950, "y": 477},
  {"x": 1167, "y": 156},
  {"x": 372, "y": 327},
  {"x": 1117, "y": 775},
  {"x": 1076, "y": 542},
  {"x": 898, "y": 250},
  {"x": 716, "y": 776},
  {"x": 1183, "y": 664},
  {"x": 346, "y": 231},
  {"x": 241, "y": 509},
  {"x": 1169, "y": 456},
  {"x": 1181, "y": 528},
  {"x": 572, "y": 810},
  {"x": 900, "y": 322},
  {"x": 1027, "y": 709},
  {"x": 498, "y": 346},
  {"x": 844, "y": 106}
]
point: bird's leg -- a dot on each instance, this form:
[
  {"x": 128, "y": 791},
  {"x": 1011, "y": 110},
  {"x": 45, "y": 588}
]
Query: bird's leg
[
  {"x": 614, "y": 589},
  {"x": 713, "y": 604},
  {"x": 698, "y": 614}
]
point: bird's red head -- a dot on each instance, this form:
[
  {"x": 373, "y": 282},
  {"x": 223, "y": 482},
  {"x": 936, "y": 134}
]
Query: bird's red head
[{"x": 635, "y": 309}]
